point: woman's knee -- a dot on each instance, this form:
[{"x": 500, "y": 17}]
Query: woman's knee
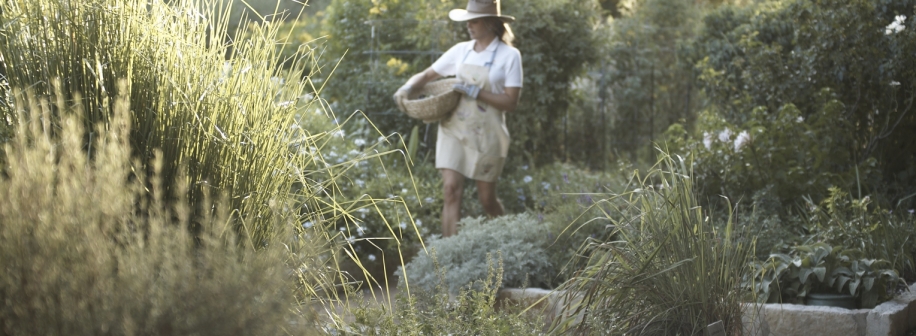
[{"x": 452, "y": 189}]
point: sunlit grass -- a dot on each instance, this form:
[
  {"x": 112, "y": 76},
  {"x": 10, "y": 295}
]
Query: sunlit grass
[{"x": 211, "y": 104}]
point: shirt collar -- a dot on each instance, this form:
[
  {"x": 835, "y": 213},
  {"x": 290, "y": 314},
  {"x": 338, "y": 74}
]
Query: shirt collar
[{"x": 490, "y": 47}]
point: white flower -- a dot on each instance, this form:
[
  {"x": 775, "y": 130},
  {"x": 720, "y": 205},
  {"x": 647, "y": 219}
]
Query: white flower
[
  {"x": 707, "y": 140},
  {"x": 419, "y": 223},
  {"x": 896, "y": 26},
  {"x": 527, "y": 178},
  {"x": 800, "y": 119},
  {"x": 895, "y": 83},
  {"x": 360, "y": 183},
  {"x": 725, "y": 135},
  {"x": 403, "y": 225},
  {"x": 546, "y": 185},
  {"x": 429, "y": 200},
  {"x": 741, "y": 139},
  {"x": 371, "y": 257},
  {"x": 359, "y": 141},
  {"x": 307, "y": 225}
]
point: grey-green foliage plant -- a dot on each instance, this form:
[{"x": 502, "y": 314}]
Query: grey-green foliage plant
[
  {"x": 669, "y": 267},
  {"x": 210, "y": 103},
  {"x": 417, "y": 311},
  {"x": 89, "y": 247},
  {"x": 460, "y": 260},
  {"x": 754, "y": 63},
  {"x": 821, "y": 268}
]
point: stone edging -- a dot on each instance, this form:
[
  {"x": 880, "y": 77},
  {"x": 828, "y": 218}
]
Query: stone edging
[{"x": 891, "y": 318}]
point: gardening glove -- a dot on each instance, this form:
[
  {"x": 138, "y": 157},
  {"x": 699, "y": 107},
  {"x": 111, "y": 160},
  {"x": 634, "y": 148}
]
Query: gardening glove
[
  {"x": 401, "y": 95},
  {"x": 469, "y": 90}
]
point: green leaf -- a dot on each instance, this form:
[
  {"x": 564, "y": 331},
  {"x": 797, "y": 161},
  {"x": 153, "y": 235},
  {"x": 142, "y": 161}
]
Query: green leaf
[
  {"x": 853, "y": 286},
  {"x": 820, "y": 272},
  {"x": 868, "y": 283},
  {"x": 840, "y": 282}
]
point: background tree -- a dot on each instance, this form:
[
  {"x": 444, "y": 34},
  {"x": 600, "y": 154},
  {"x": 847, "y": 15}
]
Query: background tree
[{"x": 647, "y": 74}]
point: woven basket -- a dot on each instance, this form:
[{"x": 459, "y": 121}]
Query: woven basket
[{"x": 434, "y": 101}]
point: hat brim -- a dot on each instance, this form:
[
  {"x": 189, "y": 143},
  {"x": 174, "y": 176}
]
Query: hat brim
[{"x": 464, "y": 15}]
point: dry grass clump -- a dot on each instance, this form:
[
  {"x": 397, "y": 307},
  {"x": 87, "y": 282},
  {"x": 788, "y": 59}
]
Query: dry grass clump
[{"x": 84, "y": 251}]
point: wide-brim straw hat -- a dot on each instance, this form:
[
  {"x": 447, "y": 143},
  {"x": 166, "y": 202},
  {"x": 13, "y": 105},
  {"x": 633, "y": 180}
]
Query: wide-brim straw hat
[
  {"x": 433, "y": 102},
  {"x": 479, "y": 9}
]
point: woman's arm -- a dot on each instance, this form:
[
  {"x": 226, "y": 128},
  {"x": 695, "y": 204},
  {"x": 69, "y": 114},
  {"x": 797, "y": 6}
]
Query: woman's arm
[
  {"x": 415, "y": 82},
  {"x": 420, "y": 79},
  {"x": 506, "y": 101}
]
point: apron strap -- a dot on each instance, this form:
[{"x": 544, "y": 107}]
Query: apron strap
[{"x": 492, "y": 57}]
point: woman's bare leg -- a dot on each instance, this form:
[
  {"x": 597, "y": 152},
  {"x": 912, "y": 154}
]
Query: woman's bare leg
[
  {"x": 452, "y": 188},
  {"x": 486, "y": 193}
]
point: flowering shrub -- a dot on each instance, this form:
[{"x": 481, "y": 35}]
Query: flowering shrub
[{"x": 785, "y": 151}]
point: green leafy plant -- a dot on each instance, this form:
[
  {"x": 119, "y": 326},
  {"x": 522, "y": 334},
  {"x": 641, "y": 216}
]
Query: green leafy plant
[
  {"x": 859, "y": 223},
  {"x": 821, "y": 268}
]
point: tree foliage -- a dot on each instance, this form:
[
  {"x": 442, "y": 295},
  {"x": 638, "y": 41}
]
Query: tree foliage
[
  {"x": 843, "y": 72},
  {"x": 647, "y": 76}
]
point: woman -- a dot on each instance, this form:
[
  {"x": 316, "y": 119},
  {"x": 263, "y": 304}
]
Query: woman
[{"x": 474, "y": 141}]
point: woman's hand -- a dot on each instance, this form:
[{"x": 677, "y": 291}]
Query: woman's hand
[
  {"x": 401, "y": 95},
  {"x": 469, "y": 90},
  {"x": 417, "y": 81}
]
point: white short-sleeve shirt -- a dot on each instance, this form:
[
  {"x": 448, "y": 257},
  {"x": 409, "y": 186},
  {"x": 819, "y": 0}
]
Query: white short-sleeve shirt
[{"x": 506, "y": 70}]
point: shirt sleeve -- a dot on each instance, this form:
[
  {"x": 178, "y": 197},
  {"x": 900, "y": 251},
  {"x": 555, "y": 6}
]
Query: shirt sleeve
[
  {"x": 447, "y": 64},
  {"x": 514, "y": 74}
]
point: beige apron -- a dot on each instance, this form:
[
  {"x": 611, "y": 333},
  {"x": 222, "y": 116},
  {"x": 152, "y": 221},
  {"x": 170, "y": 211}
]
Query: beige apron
[{"x": 474, "y": 141}]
